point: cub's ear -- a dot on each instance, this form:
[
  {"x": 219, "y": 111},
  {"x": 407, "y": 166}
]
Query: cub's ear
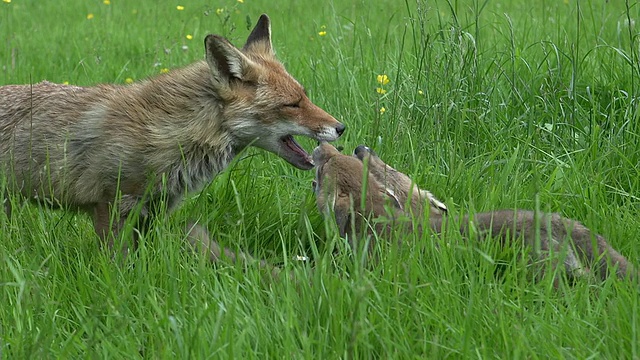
[
  {"x": 260, "y": 38},
  {"x": 394, "y": 199},
  {"x": 225, "y": 61},
  {"x": 361, "y": 151},
  {"x": 433, "y": 201}
]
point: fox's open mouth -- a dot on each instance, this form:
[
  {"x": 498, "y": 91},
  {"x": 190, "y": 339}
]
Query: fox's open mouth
[{"x": 295, "y": 154}]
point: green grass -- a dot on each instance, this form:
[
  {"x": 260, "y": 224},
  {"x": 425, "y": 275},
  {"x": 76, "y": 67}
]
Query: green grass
[{"x": 489, "y": 105}]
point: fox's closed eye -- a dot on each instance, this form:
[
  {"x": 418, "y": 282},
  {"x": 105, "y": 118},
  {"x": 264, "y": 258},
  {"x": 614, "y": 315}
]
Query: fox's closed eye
[{"x": 293, "y": 105}]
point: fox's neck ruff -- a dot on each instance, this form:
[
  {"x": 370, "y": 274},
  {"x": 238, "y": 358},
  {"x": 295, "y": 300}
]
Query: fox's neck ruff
[{"x": 197, "y": 169}]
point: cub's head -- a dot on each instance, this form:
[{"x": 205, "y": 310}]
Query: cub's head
[
  {"x": 262, "y": 105},
  {"x": 344, "y": 188},
  {"x": 404, "y": 189}
]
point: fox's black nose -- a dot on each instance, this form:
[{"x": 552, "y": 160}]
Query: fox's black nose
[{"x": 340, "y": 129}]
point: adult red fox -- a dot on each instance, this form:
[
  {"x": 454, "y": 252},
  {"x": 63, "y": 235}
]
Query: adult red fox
[
  {"x": 140, "y": 145},
  {"x": 381, "y": 200}
]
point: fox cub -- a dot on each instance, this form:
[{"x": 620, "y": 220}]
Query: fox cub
[{"x": 391, "y": 196}]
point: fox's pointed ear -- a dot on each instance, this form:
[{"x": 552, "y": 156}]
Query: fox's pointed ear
[
  {"x": 225, "y": 61},
  {"x": 260, "y": 38}
]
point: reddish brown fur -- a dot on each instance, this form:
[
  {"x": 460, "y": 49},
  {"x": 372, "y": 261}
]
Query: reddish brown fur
[
  {"x": 338, "y": 176},
  {"x": 152, "y": 142}
]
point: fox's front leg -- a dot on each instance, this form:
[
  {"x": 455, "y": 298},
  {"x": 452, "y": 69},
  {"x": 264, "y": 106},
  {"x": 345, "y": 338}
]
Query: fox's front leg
[
  {"x": 109, "y": 228},
  {"x": 201, "y": 242},
  {"x": 4, "y": 199},
  {"x": 7, "y": 206}
]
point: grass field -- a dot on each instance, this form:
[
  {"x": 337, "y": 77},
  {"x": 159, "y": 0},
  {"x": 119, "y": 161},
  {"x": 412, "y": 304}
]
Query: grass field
[{"x": 489, "y": 105}]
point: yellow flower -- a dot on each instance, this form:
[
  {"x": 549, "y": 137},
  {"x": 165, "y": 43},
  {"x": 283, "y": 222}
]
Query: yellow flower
[
  {"x": 219, "y": 11},
  {"x": 128, "y": 80},
  {"x": 89, "y": 16},
  {"x": 164, "y": 70},
  {"x": 107, "y": 2},
  {"x": 420, "y": 92},
  {"x": 180, "y": 7},
  {"x": 322, "y": 33},
  {"x": 382, "y": 110},
  {"x": 241, "y": 1},
  {"x": 381, "y": 91},
  {"x": 64, "y": 82},
  {"x": 7, "y": 1},
  {"x": 189, "y": 37},
  {"x": 383, "y": 79}
]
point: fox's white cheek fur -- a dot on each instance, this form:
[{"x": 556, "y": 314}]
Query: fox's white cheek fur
[{"x": 246, "y": 129}]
